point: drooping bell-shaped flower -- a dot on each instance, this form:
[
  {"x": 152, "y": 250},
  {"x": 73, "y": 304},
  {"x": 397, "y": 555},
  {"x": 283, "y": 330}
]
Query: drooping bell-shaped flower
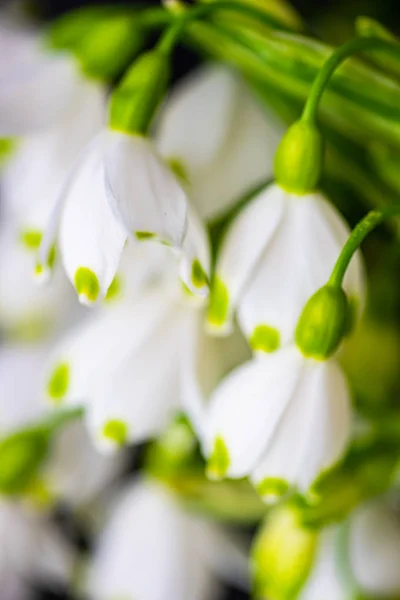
[
  {"x": 122, "y": 189},
  {"x": 285, "y": 416},
  {"x": 135, "y": 364},
  {"x": 215, "y": 134},
  {"x": 279, "y": 250},
  {"x": 151, "y": 549}
]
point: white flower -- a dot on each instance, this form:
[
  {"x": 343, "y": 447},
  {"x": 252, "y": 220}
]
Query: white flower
[
  {"x": 212, "y": 128},
  {"x": 37, "y": 169},
  {"x": 73, "y": 471},
  {"x": 281, "y": 418},
  {"x": 150, "y": 549},
  {"x": 38, "y": 88},
  {"x": 373, "y": 554},
  {"x": 120, "y": 190},
  {"x": 134, "y": 365},
  {"x": 279, "y": 250},
  {"x": 31, "y": 549}
]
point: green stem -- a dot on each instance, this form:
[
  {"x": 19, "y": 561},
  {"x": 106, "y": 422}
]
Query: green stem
[
  {"x": 357, "y": 236},
  {"x": 337, "y": 57},
  {"x": 60, "y": 418},
  {"x": 174, "y": 32}
]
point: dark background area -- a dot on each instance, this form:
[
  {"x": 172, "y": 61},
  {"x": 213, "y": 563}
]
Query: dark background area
[{"x": 330, "y": 19}]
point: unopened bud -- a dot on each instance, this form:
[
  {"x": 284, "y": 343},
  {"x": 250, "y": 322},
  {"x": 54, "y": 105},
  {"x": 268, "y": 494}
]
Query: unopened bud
[
  {"x": 323, "y": 323},
  {"x": 298, "y": 159}
]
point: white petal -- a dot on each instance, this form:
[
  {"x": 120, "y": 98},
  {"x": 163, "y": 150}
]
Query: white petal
[
  {"x": 37, "y": 87},
  {"x": 296, "y": 263},
  {"x": 75, "y": 471},
  {"x": 20, "y": 379},
  {"x": 140, "y": 392},
  {"x": 247, "y": 407},
  {"x": 195, "y": 264},
  {"x": 145, "y": 551},
  {"x": 36, "y": 173},
  {"x": 201, "y": 109},
  {"x": 375, "y": 550},
  {"x": 142, "y": 191},
  {"x": 235, "y": 138},
  {"x": 325, "y": 580},
  {"x": 90, "y": 237},
  {"x": 89, "y": 355},
  {"x": 313, "y": 431},
  {"x": 242, "y": 248},
  {"x": 205, "y": 361},
  {"x": 25, "y": 308}
]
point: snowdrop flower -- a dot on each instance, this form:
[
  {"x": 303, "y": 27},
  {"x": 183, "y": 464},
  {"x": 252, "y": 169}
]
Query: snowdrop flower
[
  {"x": 31, "y": 550},
  {"x": 121, "y": 189},
  {"x": 73, "y": 471},
  {"x": 215, "y": 134},
  {"x": 279, "y": 250},
  {"x": 151, "y": 549},
  {"x": 134, "y": 365},
  {"x": 280, "y": 419},
  {"x": 373, "y": 553}
]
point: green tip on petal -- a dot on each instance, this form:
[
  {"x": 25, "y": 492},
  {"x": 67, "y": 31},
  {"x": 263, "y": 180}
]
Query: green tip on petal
[
  {"x": 7, "y": 146},
  {"x": 272, "y": 488},
  {"x": 218, "y": 311},
  {"x": 264, "y": 339},
  {"x": 87, "y": 285},
  {"x": 116, "y": 431},
  {"x": 219, "y": 461},
  {"x": 199, "y": 276},
  {"x": 142, "y": 236},
  {"x": 115, "y": 290},
  {"x": 31, "y": 238},
  {"x": 177, "y": 167},
  {"x": 58, "y": 383}
]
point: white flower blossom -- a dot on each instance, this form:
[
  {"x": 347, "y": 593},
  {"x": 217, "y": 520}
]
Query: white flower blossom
[
  {"x": 279, "y": 251},
  {"x": 281, "y": 419},
  {"x": 151, "y": 549}
]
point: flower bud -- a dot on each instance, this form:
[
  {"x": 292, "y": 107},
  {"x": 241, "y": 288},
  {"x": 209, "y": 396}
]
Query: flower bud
[
  {"x": 136, "y": 99},
  {"x": 323, "y": 323},
  {"x": 282, "y": 555},
  {"x": 21, "y": 455},
  {"x": 298, "y": 159},
  {"x": 103, "y": 39}
]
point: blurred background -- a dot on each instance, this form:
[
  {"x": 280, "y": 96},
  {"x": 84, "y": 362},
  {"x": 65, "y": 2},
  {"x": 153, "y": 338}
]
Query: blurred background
[{"x": 332, "y": 20}]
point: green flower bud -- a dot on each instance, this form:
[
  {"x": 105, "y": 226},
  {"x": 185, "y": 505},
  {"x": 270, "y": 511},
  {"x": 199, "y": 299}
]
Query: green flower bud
[
  {"x": 282, "y": 555},
  {"x": 21, "y": 456},
  {"x": 136, "y": 99},
  {"x": 104, "y": 39},
  {"x": 298, "y": 159},
  {"x": 323, "y": 323}
]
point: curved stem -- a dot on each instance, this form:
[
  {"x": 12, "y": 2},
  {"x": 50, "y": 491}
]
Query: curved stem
[
  {"x": 337, "y": 57},
  {"x": 359, "y": 233},
  {"x": 173, "y": 33}
]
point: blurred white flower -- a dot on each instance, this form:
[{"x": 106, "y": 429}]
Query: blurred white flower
[
  {"x": 278, "y": 252},
  {"x": 134, "y": 365},
  {"x": 281, "y": 418},
  {"x": 372, "y": 555},
  {"x": 39, "y": 88},
  {"x": 151, "y": 549},
  {"x": 73, "y": 470},
  {"x": 31, "y": 549},
  {"x": 221, "y": 140}
]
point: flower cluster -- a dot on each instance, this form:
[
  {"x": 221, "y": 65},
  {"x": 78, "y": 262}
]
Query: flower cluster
[{"x": 179, "y": 270}]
